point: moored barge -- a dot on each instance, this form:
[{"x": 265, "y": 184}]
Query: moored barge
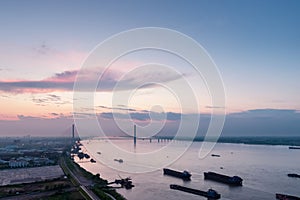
[
  {"x": 184, "y": 175},
  {"x": 210, "y": 194},
  {"x": 231, "y": 180}
]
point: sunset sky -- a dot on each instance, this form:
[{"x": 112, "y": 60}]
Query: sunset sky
[{"x": 255, "y": 45}]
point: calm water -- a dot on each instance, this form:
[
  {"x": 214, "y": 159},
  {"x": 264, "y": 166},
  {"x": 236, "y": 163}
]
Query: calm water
[{"x": 262, "y": 167}]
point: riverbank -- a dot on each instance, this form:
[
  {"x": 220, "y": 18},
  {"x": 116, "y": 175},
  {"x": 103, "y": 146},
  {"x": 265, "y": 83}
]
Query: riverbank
[{"x": 92, "y": 182}]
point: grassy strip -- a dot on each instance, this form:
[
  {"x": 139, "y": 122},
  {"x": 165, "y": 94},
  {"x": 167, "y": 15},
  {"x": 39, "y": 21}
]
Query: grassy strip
[
  {"x": 76, "y": 195},
  {"x": 66, "y": 171},
  {"x": 82, "y": 192},
  {"x": 101, "y": 194},
  {"x": 114, "y": 193}
]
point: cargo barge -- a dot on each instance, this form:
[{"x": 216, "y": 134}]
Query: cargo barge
[
  {"x": 185, "y": 175},
  {"x": 294, "y": 147},
  {"x": 210, "y": 194},
  {"x": 231, "y": 180},
  {"x": 286, "y": 197},
  {"x": 294, "y": 175}
]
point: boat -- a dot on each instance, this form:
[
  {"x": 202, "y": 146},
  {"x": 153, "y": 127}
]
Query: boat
[
  {"x": 215, "y": 155},
  {"x": 118, "y": 160},
  {"x": 286, "y": 197},
  {"x": 210, "y": 194},
  {"x": 294, "y": 147},
  {"x": 184, "y": 175},
  {"x": 231, "y": 180},
  {"x": 124, "y": 182},
  {"x": 294, "y": 175},
  {"x": 80, "y": 155}
]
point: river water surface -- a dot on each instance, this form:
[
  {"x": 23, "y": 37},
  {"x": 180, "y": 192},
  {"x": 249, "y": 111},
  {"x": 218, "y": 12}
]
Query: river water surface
[{"x": 264, "y": 169}]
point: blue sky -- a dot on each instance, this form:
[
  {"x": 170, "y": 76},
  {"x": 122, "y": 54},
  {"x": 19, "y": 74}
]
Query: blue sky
[{"x": 255, "y": 45}]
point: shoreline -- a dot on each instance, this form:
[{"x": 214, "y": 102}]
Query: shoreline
[
  {"x": 99, "y": 184},
  {"x": 247, "y": 140}
]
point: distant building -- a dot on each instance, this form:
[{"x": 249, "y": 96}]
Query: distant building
[
  {"x": 13, "y": 163},
  {"x": 3, "y": 161},
  {"x": 42, "y": 161}
]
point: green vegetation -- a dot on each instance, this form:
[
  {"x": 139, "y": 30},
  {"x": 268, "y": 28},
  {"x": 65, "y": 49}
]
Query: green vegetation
[
  {"x": 76, "y": 195},
  {"x": 103, "y": 191},
  {"x": 84, "y": 194},
  {"x": 101, "y": 194},
  {"x": 26, "y": 188},
  {"x": 114, "y": 193}
]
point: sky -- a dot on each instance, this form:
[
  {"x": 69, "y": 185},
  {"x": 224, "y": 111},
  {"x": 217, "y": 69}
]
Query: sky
[{"x": 254, "y": 44}]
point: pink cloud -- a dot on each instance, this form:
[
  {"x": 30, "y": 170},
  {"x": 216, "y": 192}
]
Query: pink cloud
[
  {"x": 66, "y": 76},
  {"x": 64, "y": 81}
]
